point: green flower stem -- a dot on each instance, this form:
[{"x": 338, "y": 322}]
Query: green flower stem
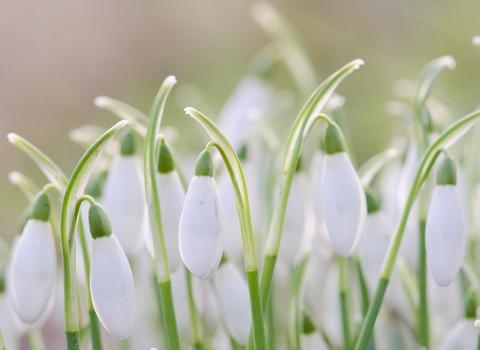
[
  {"x": 69, "y": 214},
  {"x": 295, "y": 316},
  {"x": 363, "y": 288},
  {"x": 161, "y": 318},
  {"x": 95, "y": 329},
  {"x": 162, "y": 269},
  {"x": 423, "y": 319},
  {"x": 169, "y": 315},
  {"x": 343, "y": 282},
  {"x": 478, "y": 342},
  {"x": 194, "y": 318},
  {"x": 270, "y": 322},
  {"x": 237, "y": 177},
  {"x": 450, "y": 136},
  {"x": 35, "y": 340},
  {"x": 305, "y": 120}
]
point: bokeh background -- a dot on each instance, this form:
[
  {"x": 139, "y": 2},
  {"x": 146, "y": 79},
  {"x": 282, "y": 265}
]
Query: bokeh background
[{"x": 57, "y": 56}]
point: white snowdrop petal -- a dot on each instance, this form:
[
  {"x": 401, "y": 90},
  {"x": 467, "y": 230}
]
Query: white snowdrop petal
[
  {"x": 445, "y": 234},
  {"x": 343, "y": 203},
  {"x": 373, "y": 247},
  {"x": 232, "y": 292},
  {"x": 32, "y": 271},
  {"x": 112, "y": 288},
  {"x": 463, "y": 336},
  {"x": 294, "y": 222},
  {"x": 124, "y": 201},
  {"x": 200, "y": 235}
]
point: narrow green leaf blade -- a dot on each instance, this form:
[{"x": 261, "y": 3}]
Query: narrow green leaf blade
[
  {"x": 25, "y": 184},
  {"x": 138, "y": 120},
  {"x": 371, "y": 167},
  {"x": 53, "y": 173}
]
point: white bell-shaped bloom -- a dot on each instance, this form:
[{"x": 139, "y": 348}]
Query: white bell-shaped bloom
[
  {"x": 373, "y": 247},
  {"x": 232, "y": 291},
  {"x": 251, "y": 94},
  {"x": 464, "y": 335},
  {"x": 124, "y": 201},
  {"x": 294, "y": 221},
  {"x": 32, "y": 271},
  {"x": 343, "y": 204},
  {"x": 445, "y": 234},
  {"x": 171, "y": 196},
  {"x": 200, "y": 234},
  {"x": 111, "y": 279}
]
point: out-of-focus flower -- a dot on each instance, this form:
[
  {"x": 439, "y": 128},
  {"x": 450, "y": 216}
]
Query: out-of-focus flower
[
  {"x": 111, "y": 279},
  {"x": 34, "y": 265},
  {"x": 445, "y": 236},
  {"x": 464, "y": 335},
  {"x": 171, "y": 196},
  {"x": 201, "y": 235},
  {"x": 123, "y": 197},
  {"x": 232, "y": 292},
  {"x": 343, "y": 204}
]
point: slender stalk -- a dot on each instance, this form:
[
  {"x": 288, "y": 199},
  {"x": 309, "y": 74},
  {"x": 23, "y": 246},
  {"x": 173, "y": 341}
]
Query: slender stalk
[
  {"x": 73, "y": 341},
  {"x": 35, "y": 340},
  {"x": 2, "y": 343},
  {"x": 423, "y": 321},
  {"x": 363, "y": 288},
  {"x": 257, "y": 311},
  {"x": 169, "y": 315},
  {"x": 448, "y": 137},
  {"x": 478, "y": 342},
  {"x": 194, "y": 319},
  {"x": 270, "y": 325},
  {"x": 161, "y": 318},
  {"x": 95, "y": 330},
  {"x": 343, "y": 281},
  {"x": 295, "y": 315}
]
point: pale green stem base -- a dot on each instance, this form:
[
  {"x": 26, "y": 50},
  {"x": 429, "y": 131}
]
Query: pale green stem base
[
  {"x": 35, "y": 340},
  {"x": 342, "y": 266},
  {"x": 423, "y": 320},
  {"x": 73, "y": 342},
  {"x": 169, "y": 315},
  {"x": 194, "y": 319},
  {"x": 257, "y": 310}
]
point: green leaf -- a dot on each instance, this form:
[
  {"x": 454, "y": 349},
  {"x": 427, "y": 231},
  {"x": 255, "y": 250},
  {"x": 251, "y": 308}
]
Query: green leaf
[
  {"x": 138, "y": 120},
  {"x": 371, "y": 167},
  {"x": 53, "y": 173},
  {"x": 78, "y": 181},
  {"x": 150, "y": 170}
]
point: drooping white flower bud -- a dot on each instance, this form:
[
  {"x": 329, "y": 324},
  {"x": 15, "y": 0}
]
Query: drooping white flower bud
[
  {"x": 200, "y": 235},
  {"x": 171, "y": 196},
  {"x": 34, "y": 265},
  {"x": 445, "y": 236},
  {"x": 343, "y": 204},
  {"x": 111, "y": 279},
  {"x": 123, "y": 198},
  {"x": 232, "y": 291},
  {"x": 463, "y": 336},
  {"x": 375, "y": 240}
]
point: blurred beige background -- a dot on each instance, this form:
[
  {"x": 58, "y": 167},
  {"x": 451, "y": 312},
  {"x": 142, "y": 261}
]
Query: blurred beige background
[{"x": 57, "y": 56}]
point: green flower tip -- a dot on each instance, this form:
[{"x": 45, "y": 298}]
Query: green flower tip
[
  {"x": 333, "y": 141},
  {"x": 373, "y": 200},
  {"x": 95, "y": 185},
  {"x": 471, "y": 306},
  {"x": 204, "y": 166},
  {"x": 166, "y": 164},
  {"x": 308, "y": 326},
  {"x": 2, "y": 284},
  {"x": 41, "y": 208},
  {"x": 99, "y": 222},
  {"x": 243, "y": 153},
  {"x": 127, "y": 146},
  {"x": 447, "y": 172}
]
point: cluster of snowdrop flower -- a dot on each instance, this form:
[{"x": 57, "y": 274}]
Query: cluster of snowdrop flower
[{"x": 296, "y": 248}]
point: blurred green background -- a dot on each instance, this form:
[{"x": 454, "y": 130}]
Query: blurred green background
[{"x": 57, "y": 56}]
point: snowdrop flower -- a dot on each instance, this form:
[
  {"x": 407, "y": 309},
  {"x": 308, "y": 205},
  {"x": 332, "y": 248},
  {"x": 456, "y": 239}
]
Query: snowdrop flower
[
  {"x": 111, "y": 279},
  {"x": 171, "y": 196},
  {"x": 464, "y": 335},
  {"x": 294, "y": 222},
  {"x": 375, "y": 240},
  {"x": 232, "y": 292},
  {"x": 34, "y": 265},
  {"x": 123, "y": 197},
  {"x": 252, "y": 94},
  {"x": 201, "y": 236},
  {"x": 343, "y": 205},
  {"x": 445, "y": 231}
]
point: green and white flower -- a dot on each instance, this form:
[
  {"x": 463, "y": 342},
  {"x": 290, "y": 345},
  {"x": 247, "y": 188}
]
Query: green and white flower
[
  {"x": 111, "y": 279},
  {"x": 201, "y": 234},
  {"x": 33, "y": 266}
]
